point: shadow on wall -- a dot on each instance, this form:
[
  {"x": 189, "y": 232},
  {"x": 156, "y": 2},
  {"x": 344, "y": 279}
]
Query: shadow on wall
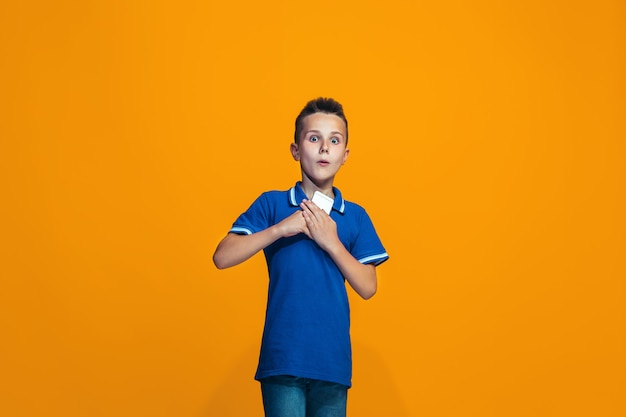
[{"x": 374, "y": 392}]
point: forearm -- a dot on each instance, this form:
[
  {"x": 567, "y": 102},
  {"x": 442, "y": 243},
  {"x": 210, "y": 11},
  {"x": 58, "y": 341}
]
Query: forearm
[
  {"x": 322, "y": 229},
  {"x": 361, "y": 277},
  {"x": 234, "y": 248}
]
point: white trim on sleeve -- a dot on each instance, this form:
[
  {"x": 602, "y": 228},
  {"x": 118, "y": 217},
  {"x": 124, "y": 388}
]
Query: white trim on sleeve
[
  {"x": 240, "y": 230},
  {"x": 376, "y": 258}
]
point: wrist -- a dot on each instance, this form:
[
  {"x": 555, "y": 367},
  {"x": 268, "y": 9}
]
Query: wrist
[
  {"x": 334, "y": 248},
  {"x": 277, "y": 232}
]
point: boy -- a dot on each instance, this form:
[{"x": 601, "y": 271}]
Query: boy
[{"x": 305, "y": 365}]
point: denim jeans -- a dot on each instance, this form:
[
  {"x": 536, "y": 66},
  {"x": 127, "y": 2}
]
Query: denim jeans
[{"x": 290, "y": 396}]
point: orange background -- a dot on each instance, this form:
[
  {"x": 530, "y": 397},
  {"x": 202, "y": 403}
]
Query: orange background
[{"x": 488, "y": 145}]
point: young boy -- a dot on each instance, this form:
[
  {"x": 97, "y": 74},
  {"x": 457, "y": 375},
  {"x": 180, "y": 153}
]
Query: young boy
[{"x": 305, "y": 365}]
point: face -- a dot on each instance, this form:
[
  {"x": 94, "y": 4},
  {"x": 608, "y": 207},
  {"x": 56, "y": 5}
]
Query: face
[{"x": 322, "y": 147}]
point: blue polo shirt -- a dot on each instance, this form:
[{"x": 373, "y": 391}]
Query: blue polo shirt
[{"x": 307, "y": 322}]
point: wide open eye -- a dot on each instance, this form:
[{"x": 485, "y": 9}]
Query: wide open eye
[
  {"x": 314, "y": 138},
  {"x": 334, "y": 140}
]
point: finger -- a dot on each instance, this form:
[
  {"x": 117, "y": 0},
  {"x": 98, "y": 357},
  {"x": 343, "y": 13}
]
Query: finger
[
  {"x": 314, "y": 208},
  {"x": 303, "y": 220},
  {"x": 307, "y": 224},
  {"x": 308, "y": 209},
  {"x": 305, "y": 206},
  {"x": 308, "y": 217}
]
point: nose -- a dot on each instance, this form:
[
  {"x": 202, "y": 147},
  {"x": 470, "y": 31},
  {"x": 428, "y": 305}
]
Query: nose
[{"x": 323, "y": 146}]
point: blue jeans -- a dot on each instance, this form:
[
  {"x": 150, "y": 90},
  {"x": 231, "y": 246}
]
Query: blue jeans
[{"x": 290, "y": 396}]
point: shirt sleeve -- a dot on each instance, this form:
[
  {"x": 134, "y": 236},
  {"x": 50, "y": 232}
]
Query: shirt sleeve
[
  {"x": 254, "y": 219},
  {"x": 367, "y": 247}
]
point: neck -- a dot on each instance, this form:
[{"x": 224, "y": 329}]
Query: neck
[{"x": 310, "y": 187}]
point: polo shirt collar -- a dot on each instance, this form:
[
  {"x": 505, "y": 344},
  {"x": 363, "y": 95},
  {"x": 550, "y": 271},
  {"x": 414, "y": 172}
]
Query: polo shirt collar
[{"x": 296, "y": 195}]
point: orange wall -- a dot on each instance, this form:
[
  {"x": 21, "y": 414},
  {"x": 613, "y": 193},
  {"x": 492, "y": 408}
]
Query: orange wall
[{"x": 488, "y": 144}]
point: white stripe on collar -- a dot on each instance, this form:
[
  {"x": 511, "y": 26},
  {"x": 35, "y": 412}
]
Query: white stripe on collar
[
  {"x": 292, "y": 196},
  {"x": 293, "y": 202}
]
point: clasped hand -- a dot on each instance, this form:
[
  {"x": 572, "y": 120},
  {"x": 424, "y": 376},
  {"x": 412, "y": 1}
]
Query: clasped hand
[{"x": 313, "y": 222}]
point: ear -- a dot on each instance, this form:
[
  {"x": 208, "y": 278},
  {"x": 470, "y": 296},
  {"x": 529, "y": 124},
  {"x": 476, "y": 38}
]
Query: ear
[
  {"x": 294, "y": 151},
  {"x": 345, "y": 156}
]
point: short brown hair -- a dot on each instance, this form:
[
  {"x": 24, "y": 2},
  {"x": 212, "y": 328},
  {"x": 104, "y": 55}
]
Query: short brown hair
[{"x": 320, "y": 105}]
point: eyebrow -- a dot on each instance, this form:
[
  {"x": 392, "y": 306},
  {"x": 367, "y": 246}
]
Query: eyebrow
[{"x": 334, "y": 132}]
